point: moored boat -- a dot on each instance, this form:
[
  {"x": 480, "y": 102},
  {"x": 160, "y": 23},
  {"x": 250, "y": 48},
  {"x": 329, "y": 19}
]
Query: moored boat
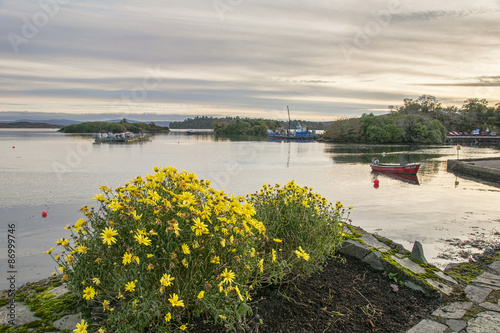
[
  {"x": 402, "y": 168},
  {"x": 300, "y": 132}
]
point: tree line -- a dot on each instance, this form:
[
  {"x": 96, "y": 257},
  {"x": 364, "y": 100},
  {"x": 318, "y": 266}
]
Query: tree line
[
  {"x": 119, "y": 127},
  {"x": 237, "y": 125},
  {"x": 424, "y": 120}
]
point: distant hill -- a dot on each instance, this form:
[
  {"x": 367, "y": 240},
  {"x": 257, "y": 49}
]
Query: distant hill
[
  {"x": 26, "y": 124},
  {"x": 62, "y": 122}
]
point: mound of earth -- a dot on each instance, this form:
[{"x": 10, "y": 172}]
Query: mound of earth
[{"x": 346, "y": 296}]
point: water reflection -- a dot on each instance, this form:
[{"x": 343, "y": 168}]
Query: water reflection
[
  {"x": 363, "y": 154},
  {"x": 410, "y": 179}
]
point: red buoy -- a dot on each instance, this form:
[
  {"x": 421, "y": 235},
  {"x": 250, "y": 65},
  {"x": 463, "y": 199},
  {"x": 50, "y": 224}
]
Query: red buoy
[
  {"x": 376, "y": 182},
  {"x": 44, "y": 214},
  {"x": 13, "y": 146}
]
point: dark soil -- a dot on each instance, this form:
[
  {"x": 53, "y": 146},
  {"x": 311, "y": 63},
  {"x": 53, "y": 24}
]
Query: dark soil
[{"x": 347, "y": 296}]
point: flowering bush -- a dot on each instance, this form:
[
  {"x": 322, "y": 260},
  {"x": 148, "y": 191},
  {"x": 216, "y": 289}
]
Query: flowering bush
[
  {"x": 166, "y": 247},
  {"x": 161, "y": 249},
  {"x": 299, "y": 224}
]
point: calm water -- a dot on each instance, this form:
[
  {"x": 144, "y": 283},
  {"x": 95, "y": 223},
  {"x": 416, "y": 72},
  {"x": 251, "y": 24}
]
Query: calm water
[{"x": 46, "y": 170}]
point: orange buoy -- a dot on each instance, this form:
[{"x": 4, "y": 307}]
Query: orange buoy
[{"x": 44, "y": 214}]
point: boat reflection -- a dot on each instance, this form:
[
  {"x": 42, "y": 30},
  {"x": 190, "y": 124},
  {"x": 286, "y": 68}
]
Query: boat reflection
[{"x": 410, "y": 179}]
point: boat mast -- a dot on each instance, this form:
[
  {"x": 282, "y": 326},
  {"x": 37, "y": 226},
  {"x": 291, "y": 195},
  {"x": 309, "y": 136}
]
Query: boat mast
[{"x": 289, "y": 129}]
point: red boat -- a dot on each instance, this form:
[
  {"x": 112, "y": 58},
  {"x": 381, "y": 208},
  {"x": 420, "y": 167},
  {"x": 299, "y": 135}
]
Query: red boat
[{"x": 409, "y": 169}]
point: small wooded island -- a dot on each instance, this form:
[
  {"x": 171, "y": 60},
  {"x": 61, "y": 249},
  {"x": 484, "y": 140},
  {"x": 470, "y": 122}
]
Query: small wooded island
[{"x": 119, "y": 127}]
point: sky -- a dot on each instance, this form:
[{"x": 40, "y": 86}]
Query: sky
[{"x": 324, "y": 59}]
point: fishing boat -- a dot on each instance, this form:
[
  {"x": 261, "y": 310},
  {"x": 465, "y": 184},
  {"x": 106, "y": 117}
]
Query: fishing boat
[
  {"x": 402, "y": 168},
  {"x": 299, "y": 133}
]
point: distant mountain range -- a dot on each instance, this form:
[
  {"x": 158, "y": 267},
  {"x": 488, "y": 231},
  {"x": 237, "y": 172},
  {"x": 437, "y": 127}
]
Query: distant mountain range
[
  {"x": 28, "y": 124},
  {"x": 65, "y": 119},
  {"x": 58, "y": 123}
]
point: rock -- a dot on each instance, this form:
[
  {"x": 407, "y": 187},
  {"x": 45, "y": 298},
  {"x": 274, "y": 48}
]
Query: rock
[
  {"x": 354, "y": 249},
  {"x": 485, "y": 322},
  {"x": 443, "y": 288},
  {"x": 412, "y": 266},
  {"x": 428, "y": 326},
  {"x": 374, "y": 242},
  {"x": 495, "y": 267},
  {"x": 488, "y": 252},
  {"x": 414, "y": 286},
  {"x": 446, "y": 277},
  {"x": 59, "y": 291},
  {"x": 488, "y": 280},
  {"x": 68, "y": 322},
  {"x": 22, "y": 314},
  {"x": 375, "y": 260},
  {"x": 490, "y": 306},
  {"x": 454, "y": 310},
  {"x": 418, "y": 252},
  {"x": 477, "y": 294},
  {"x": 456, "y": 325},
  {"x": 451, "y": 265}
]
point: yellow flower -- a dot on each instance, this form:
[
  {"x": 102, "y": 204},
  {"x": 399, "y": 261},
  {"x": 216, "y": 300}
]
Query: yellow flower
[
  {"x": 185, "y": 263},
  {"x": 79, "y": 224},
  {"x": 166, "y": 280},
  {"x": 186, "y": 199},
  {"x": 81, "y": 249},
  {"x": 88, "y": 293},
  {"x": 150, "y": 267},
  {"x": 175, "y": 301},
  {"x": 277, "y": 240},
  {"x": 105, "y": 305},
  {"x": 48, "y": 251},
  {"x": 228, "y": 276},
  {"x": 215, "y": 260},
  {"x": 99, "y": 197},
  {"x": 130, "y": 286},
  {"x": 127, "y": 258},
  {"x": 65, "y": 277},
  {"x": 274, "y": 255},
  {"x": 150, "y": 255},
  {"x": 201, "y": 294},
  {"x": 101, "y": 330},
  {"x": 302, "y": 254},
  {"x": 141, "y": 239},
  {"x": 168, "y": 317},
  {"x": 114, "y": 205},
  {"x": 199, "y": 227},
  {"x": 108, "y": 235},
  {"x": 96, "y": 281},
  {"x": 185, "y": 248},
  {"x": 136, "y": 259},
  {"x": 81, "y": 327},
  {"x": 183, "y": 327},
  {"x": 238, "y": 292}
]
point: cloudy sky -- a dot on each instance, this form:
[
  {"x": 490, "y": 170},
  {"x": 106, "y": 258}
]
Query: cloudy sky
[{"x": 324, "y": 59}]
